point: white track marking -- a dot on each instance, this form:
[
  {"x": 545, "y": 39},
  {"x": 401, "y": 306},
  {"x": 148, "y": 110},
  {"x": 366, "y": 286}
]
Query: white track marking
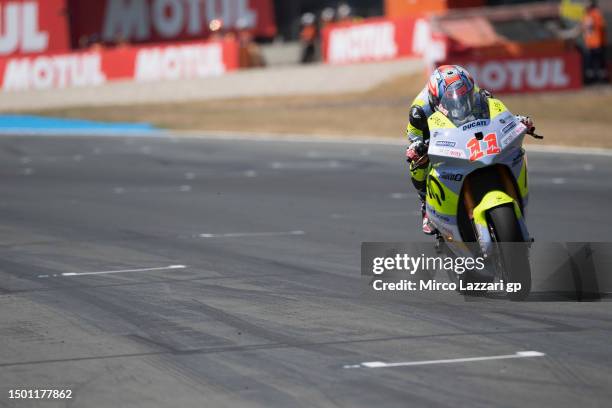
[
  {"x": 558, "y": 180},
  {"x": 380, "y": 364},
  {"x": 69, "y": 274},
  {"x": 306, "y": 165},
  {"x": 180, "y": 189},
  {"x": 376, "y": 214},
  {"x": 252, "y": 234}
]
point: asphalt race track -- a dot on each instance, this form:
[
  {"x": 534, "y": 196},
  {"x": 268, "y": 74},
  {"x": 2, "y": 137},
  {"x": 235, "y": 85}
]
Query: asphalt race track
[{"x": 167, "y": 272}]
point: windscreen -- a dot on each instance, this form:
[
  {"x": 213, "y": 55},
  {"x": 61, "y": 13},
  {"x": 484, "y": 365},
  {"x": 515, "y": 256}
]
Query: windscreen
[{"x": 461, "y": 105}]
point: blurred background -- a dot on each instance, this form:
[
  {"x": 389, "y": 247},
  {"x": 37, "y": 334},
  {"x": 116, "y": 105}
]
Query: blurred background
[
  {"x": 303, "y": 66},
  {"x": 209, "y": 249}
]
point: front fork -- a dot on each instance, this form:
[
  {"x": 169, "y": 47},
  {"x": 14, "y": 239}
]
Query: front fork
[{"x": 495, "y": 198}]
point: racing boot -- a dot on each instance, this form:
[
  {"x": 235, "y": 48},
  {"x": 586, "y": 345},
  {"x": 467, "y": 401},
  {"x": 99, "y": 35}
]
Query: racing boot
[{"x": 428, "y": 229}]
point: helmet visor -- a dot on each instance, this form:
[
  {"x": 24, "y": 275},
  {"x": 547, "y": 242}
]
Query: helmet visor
[{"x": 458, "y": 103}]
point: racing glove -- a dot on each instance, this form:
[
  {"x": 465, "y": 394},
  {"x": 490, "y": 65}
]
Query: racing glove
[
  {"x": 528, "y": 122},
  {"x": 417, "y": 153}
]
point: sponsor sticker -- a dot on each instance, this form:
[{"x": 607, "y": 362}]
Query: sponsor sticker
[
  {"x": 476, "y": 123},
  {"x": 512, "y": 133},
  {"x": 445, "y": 143},
  {"x": 460, "y": 154},
  {"x": 508, "y": 128},
  {"x": 452, "y": 176},
  {"x": 443, "y": 110}
]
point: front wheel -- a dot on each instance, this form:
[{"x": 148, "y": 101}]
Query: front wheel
[{"x": 514, "y": 258}]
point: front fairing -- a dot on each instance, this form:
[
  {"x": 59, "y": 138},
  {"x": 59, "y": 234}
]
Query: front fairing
[
  {"x": 501, "y": 139},
  {"x": 455, "y": 152}
]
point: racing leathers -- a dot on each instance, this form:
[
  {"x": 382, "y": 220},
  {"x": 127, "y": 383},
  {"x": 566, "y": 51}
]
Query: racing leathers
[{"x": 418, "y": 134}]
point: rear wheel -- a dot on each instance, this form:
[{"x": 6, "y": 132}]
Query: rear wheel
[{"x": 514, "y": 258}]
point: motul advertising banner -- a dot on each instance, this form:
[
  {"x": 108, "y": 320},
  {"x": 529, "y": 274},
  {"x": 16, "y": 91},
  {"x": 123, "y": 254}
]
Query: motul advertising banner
[
  {"x": 33, "y": 26},
  {"x": 141, "y": 64},
  {"x": 139, "y": 21},
  {"x": 376, "y": 39},
  {"x": 525, "y": 73}
]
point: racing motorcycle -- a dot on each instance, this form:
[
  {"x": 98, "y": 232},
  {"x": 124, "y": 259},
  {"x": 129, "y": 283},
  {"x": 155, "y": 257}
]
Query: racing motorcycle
[{"x": 477, "y": 188}]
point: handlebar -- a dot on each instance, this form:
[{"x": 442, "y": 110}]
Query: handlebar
[{"x": 535, "y": 135}]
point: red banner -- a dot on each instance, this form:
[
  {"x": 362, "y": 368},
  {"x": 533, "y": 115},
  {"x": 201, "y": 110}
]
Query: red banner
[
  {"x": 140, "y": 21},
  {"x": 33, "y": 26},
  {"x": 376, "y": 39},
  {"x": 141, "y": 64},
  {"x": 525, "y": 73}
]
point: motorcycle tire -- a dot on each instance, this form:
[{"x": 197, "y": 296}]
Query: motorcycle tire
[{"x": 514, "y": 258}]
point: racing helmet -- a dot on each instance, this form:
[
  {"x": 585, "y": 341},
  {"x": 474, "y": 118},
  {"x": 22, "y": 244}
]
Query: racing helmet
[
  {"x": 452, "y": 91},
  {"x": 328, "y": 15},
  {"x": 344, "y": 11},
  {"x": 308, "y": 19}
]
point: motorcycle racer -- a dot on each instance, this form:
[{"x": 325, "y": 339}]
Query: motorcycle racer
[{"x": 452, "y": 91}]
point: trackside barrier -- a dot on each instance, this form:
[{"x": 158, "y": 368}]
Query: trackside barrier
[
  {"x": 375, "y": 39},
  {"x": 29, "y": 27},
  {"x": 525, "y": 73},
  {"x": 32, "y": 27},
  {"x": 139, "y": 64},
  {"x": 381, "y": 39},
  {"x": 154, "y": 21}
]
